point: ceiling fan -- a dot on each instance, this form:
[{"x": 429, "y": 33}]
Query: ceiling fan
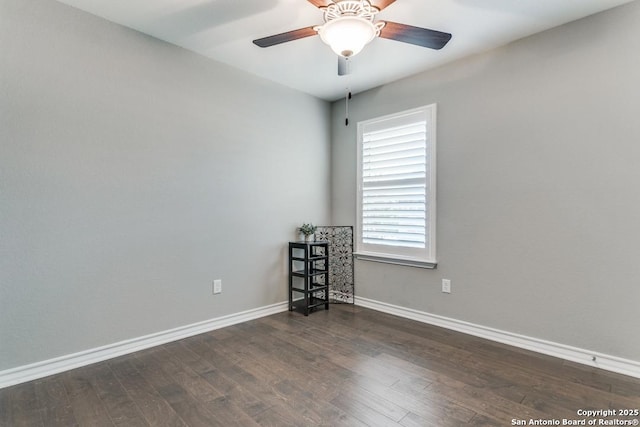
[{"x": 349, "y": 25}]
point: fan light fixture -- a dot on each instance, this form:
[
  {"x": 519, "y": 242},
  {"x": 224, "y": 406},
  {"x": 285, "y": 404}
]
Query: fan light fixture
[{"x": 349, "y": 26}]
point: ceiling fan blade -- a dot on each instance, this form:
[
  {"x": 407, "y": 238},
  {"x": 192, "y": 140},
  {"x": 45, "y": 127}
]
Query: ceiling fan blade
[
  {"x": 320, "y": 3},
  {"x": 415, "y": 35},
  {"x": 285, "y": 37},
  {"x": 381, "y": 4},
  {"x": 344, "y": 66}
]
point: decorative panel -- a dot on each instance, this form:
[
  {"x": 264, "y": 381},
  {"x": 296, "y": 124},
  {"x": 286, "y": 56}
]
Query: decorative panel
[{"x": 341, "y": 280}]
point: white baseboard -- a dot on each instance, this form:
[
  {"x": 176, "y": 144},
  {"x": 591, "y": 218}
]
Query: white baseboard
[
  {"x": 574, "y": 354},
  {"x": 45, "y": 368}
]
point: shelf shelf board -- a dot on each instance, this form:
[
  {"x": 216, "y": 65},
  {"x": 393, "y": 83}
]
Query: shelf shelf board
[
  {"x": 314, "y": 272},
  {"x": 314, "y": 289},
  {"x": 313, "y": 258}
]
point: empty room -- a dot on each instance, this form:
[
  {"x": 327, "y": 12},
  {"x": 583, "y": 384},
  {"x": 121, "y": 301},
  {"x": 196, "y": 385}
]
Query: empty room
[{"x": 323, "y": 212}]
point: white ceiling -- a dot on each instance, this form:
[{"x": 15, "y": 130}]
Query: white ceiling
[{"x": 224, "y": 29}]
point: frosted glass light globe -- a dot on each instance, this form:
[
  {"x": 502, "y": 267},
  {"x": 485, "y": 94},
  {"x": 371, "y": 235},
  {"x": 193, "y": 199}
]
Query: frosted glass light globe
[{"x": 347, "y": 35}]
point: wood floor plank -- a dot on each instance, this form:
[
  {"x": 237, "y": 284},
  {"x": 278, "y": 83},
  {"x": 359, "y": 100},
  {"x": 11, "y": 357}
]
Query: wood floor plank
[
  {"x": 275, "y": 359},
  {"x": 6, "y": 410},
  {"x": 180, "y": 373},
  {"x": 362, "y": 411},
  {"x": 121, "y": 408},
  {"x": 328, "y": 414},
  {"x": 54, "y": 402},
  {"x": 377, "y": 401},
  {"x": 252, "y": 387},
  {"x": 421, "y": 403},
  {"x": 483, "y": 401},
  {"x": 349, "y": 366},
  {"x": 167, "y": 379},
  {"x": 87, "y": 406},
  {"x": 155, "y": 409},
  {"x": 265, "y": 381},
  {"x": 194, "y": 413},
  {"x": 24, "y": 406},
  {"x": 224, "y": 405},
  {"x": 228, "y": 414},
  {"x": 440, "y": 359},
  {"x": 415, "y": 420},
  {"x": 216, "y": 373}
]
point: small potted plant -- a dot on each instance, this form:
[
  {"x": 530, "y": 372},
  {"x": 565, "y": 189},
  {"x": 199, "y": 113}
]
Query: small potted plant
[{"x": 309, "y": 231}]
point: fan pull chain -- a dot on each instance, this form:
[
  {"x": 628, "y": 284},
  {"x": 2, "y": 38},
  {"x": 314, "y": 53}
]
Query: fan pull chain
[{"x": 346, "y": 101}]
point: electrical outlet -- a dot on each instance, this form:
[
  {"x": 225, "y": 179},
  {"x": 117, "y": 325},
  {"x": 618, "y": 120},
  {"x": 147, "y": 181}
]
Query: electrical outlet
[
  {"x": 446, "y": 286},
  {"x": 217, "y": 286}
]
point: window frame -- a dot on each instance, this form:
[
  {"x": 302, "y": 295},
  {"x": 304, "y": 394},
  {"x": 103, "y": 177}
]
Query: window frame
[{"x": 415, "y": 257}]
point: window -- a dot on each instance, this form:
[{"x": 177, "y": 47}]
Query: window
[{"x": 396, "y": 188}]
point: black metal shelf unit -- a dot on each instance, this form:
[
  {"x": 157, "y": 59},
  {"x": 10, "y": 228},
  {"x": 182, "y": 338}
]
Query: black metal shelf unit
[{"x": 308, "y": 275}]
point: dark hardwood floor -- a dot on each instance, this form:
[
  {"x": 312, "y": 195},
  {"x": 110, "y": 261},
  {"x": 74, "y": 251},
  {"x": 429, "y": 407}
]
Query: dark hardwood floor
[{"x": 348, "y": 366}]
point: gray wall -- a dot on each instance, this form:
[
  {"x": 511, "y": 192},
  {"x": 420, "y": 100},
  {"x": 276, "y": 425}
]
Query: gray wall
[
  {"x": 132, "y": 174},
  {"x": 538, "y": 186}
]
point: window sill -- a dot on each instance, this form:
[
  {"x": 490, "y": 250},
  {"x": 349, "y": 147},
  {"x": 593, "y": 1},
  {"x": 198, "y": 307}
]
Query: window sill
[{"x": 361, "y": 256}]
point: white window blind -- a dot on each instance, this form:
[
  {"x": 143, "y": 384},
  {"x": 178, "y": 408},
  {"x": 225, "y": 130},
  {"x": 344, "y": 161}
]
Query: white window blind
[{"x": 396, "y": 182}]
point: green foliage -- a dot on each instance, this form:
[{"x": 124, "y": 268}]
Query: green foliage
[{"x": 308, "y": 229}]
